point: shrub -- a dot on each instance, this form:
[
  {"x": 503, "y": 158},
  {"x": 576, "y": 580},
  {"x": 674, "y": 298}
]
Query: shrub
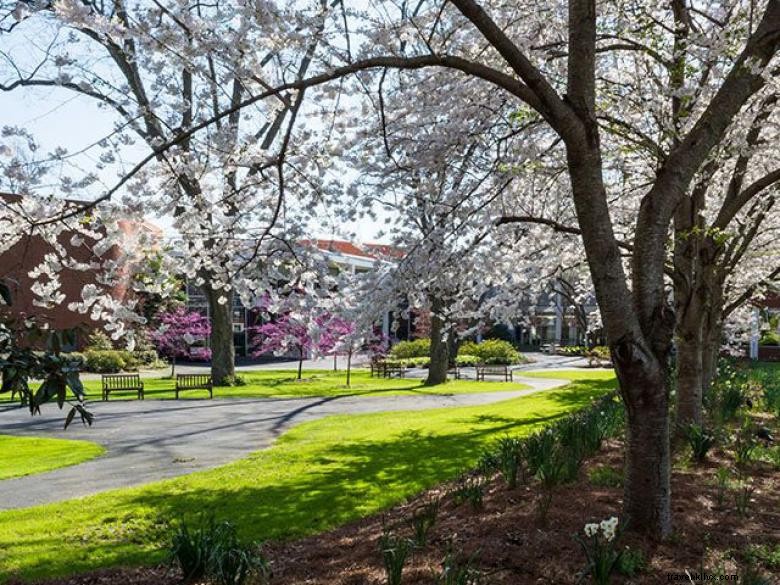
[
  {"x": 464, "y": 360},
  {"x": 492, "y": 351},
  {"x": 605, "y": 477},
  {"x": 213, "y": 551},
  {"x": 700, "y": 441},
  {"x": 395, "y": 550},
  {"x": 105, "y": 362},
  {"x": 770, "y": 338},
  {"x": 99, "y": 340},
  {"x": 411, "y": 349}
]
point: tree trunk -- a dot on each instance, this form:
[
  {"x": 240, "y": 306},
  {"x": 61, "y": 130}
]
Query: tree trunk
[
  {"x": 647, "y": 490},
  {"x": 690, "y": 381},
  {"x": 713, "y": 332},
  {"x": 173, "y": 366},
  {"x": 349, "y": 367},
  {"x": 437, "y": 370},
  {"x": 639, "y": 328},
  {"x": 223, "y": 352},
  {"x": 300, "y": 363}
]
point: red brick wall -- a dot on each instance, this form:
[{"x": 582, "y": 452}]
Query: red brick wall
[{"x": 16, "y": 263}]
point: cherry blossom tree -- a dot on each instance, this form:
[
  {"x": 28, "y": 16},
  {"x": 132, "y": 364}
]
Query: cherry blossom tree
[
  {"x": 177, "y": 332},
  {"x": 632, "y": 150},
  {"x": 163, "y": 69}
]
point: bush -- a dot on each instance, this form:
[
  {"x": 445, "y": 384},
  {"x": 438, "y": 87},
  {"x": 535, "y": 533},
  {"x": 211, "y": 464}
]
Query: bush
[
  {"x": 213, "y": 551},
  {"x": 411, "y": 349},
  {"x": 98, "y": 340},
  {"x": 770, "y": 338},
  {"x": 105, "y": 362},
  {"x": 466, "y": 360},
  {"x": 492, "y": 351}
]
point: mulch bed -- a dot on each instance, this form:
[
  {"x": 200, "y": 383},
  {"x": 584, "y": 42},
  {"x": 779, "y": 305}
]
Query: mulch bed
[{"x": 509, "y": 544}]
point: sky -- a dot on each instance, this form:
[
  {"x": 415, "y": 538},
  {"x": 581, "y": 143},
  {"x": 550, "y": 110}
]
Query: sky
[{"x": 59, "y": 118}]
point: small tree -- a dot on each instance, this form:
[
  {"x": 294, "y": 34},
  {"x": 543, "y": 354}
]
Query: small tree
[
  {"x": 178, "y": 331},
  {"x": 305, "y": 333}
]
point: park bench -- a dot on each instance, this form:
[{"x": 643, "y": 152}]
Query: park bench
[
  {"x": 194, "y": 382},
  {"x": 122, "y": 383},
  {"x": 455, "y": 372},
  {"x": 378, "y": 367},
  {"x": 394, "y": 370},
  {"x": 504, "y": 371}
]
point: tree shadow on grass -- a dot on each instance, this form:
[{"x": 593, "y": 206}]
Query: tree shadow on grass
[{"x": 298, "y": 487}]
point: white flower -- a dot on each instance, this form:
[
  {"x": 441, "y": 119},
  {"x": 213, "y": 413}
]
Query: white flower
[{"x": 591, "y": 529}]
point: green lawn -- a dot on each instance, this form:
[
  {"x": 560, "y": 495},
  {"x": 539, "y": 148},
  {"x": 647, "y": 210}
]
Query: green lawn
[
  {"x": 316, "y": 476},
  {"x": 283, "y": 384},
  {"x": 28, "y": 455}
]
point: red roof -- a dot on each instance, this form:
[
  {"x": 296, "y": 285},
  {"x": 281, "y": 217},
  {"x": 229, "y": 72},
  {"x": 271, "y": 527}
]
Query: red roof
[
  {"x": 340, "y": 246},
  {"x": 349, "y": 249},
  {"x": 384, "y": 250}
]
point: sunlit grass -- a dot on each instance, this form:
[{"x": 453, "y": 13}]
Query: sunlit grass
[
  {"x": 318, "y": 475},
  {"x": 21, "y": 456},
  {"x": 283, "y": 384}
]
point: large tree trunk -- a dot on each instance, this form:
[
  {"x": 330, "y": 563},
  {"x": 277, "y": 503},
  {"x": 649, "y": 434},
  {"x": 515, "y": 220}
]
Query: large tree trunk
[
  {"x": 440, "y": 354},
  {"x": 647, "y": 489},
  {"x": 223, "y": 352},
  {"x": 639, "y": 327}
]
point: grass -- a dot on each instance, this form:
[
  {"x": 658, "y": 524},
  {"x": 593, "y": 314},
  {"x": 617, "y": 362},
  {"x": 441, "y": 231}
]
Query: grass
[
  {"x": 21, "y": 456},
  {"x": 318, "y": 475},
  {"x": 283, "y": 384}
]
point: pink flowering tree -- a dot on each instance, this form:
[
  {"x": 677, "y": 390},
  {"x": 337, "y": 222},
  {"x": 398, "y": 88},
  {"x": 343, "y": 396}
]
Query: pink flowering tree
[
  {"x": 178, "y": 331},
  {"x": 305, "y": 333}
]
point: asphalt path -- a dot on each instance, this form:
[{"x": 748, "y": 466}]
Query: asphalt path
[{"x": 151, "y": 440}]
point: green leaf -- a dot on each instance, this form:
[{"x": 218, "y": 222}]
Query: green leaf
[
  {"x": 69, "y": 418},
  {"x": 74, "y": 382}
]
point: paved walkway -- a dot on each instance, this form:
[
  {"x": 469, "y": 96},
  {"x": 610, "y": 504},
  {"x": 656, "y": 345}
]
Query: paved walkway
[
  {"x": 539, "y": 361},
  {"x": 156, "y": 439}
]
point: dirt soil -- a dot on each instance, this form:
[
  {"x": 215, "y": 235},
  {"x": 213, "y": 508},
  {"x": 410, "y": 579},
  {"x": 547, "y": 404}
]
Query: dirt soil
[{"x": 510, "y": 545}]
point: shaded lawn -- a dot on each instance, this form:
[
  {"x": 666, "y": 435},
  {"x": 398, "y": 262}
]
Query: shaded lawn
[
  {"x": 578, "y": 374},
  {"x": 21, "y": 456},
  {"x": 283, "y": 384},
  {"x": 316, "y": 476}
]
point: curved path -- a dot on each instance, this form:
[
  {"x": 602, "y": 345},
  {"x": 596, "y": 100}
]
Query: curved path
[{"x": 156, "y": 439}]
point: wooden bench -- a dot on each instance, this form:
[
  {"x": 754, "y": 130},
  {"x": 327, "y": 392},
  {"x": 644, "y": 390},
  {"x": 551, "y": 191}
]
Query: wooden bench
[
  {"x": 393, "y": 369},
  {"x": 122, "y": 383},
  {"x": 378, "y": 367},
  {"x": 484, "y": 370},
  {"x": 454, "y": 372},
  {"x": 194, "y": 382}
]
